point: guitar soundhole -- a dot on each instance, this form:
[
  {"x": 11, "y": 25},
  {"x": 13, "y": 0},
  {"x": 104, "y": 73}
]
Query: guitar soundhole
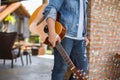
[{"x": 46, "y": 29}]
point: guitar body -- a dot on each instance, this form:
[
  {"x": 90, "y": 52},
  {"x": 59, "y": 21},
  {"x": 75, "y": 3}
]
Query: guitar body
[
  {"x": 37, "y": 25},
  {"x": 68, "y": 74},
  {"x": 41, "y": 29}
]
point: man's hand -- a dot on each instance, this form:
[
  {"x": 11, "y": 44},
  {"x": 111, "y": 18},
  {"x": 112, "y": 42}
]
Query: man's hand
[
  {"x": 87, "y": 41},
  {"x": 53, "y": 39}
]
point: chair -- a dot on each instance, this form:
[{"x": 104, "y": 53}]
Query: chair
[
  {"x": 27, "y": 54},
  {"x": 6, "y": 47},
  {"x": 25, "y": 51}
]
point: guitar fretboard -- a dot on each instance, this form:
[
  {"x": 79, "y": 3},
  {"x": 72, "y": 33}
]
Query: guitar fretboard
[{"x": 64, "y": 55}]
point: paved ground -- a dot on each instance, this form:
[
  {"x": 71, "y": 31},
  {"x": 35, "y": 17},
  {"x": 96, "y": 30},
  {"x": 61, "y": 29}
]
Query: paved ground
[{"x": 40, "y": 69}]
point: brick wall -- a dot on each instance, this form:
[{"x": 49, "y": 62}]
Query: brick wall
[{"x": 104, "y": 35}]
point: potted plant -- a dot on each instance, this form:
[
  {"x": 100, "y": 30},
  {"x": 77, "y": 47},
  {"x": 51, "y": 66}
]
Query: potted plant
[{"x": 4, "y": 25}]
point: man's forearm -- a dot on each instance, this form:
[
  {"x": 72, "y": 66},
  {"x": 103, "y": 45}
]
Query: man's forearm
[{"x": 51, "y": 26}]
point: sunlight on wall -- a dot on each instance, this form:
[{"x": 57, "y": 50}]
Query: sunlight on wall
[{"x": 31, "y": 5}]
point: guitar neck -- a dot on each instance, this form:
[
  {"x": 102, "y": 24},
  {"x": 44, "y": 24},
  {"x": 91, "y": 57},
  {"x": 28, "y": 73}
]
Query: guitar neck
[{"x": 64, "y": 55}]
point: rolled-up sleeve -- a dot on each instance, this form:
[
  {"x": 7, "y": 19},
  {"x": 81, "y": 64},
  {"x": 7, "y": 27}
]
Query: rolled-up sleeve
[
  {"x": 51, "y": 13},
  {"x": 52, "y": 9}
]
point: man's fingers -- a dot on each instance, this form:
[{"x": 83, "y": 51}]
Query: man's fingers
[
  {"x": 54, "y": 39},
  {"x": 87, "y": 41},
  {"x": 54, "y": 44},
  {"x": 58, "y": 38}
]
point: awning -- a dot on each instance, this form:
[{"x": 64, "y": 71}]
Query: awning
[
  {"x": 22, "y": 11},
  {"x": 2, "y": 8},
  {"x": 14, "y": 7}
]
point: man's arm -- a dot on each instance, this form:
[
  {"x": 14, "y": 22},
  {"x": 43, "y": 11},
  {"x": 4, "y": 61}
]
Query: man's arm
[{"x": 52, "y": 35}]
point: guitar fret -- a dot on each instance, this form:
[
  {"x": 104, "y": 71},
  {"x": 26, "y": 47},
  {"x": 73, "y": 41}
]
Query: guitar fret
[
  {"x": 64, "y": 54},
  {"x": 69, "y": 62}
]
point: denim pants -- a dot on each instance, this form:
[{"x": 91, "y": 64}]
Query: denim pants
[{"x": 76, "y": 49}]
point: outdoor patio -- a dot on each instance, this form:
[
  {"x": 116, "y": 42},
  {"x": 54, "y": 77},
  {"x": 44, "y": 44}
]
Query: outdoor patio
[
  {"x": 103, "y": 27},
  {"x": 40, "y": 69}
]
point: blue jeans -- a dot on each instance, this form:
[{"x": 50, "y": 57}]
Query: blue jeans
[{"x": 76, "y": 49}]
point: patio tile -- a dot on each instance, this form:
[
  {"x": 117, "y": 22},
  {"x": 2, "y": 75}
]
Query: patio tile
[{"x": 40, "y": 69}]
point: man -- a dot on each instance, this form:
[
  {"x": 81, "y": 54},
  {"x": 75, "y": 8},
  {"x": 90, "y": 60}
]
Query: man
[{"x": 73, "y": 17}]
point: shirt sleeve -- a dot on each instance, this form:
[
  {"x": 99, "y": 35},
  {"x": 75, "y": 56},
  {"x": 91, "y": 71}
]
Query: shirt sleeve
[
  {"x": 51, "y": 14},
  {"x": 52, "y": 8}
]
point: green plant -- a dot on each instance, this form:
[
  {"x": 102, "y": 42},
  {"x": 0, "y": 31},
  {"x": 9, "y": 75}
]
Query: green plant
[
  {"x": 36, "y": 39},
  {"x": 11, "y": 19}
]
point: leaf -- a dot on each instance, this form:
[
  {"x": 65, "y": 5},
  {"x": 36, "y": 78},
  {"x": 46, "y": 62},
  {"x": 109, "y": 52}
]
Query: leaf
[{"x": 11, "y": 19}]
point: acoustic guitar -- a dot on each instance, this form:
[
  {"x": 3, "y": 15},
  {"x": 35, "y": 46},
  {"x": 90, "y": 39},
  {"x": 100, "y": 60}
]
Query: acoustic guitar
[{"x": 37, "y": 25}]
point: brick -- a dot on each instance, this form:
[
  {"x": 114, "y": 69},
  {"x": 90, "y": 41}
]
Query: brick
[{"x": 104, "y": 35}]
